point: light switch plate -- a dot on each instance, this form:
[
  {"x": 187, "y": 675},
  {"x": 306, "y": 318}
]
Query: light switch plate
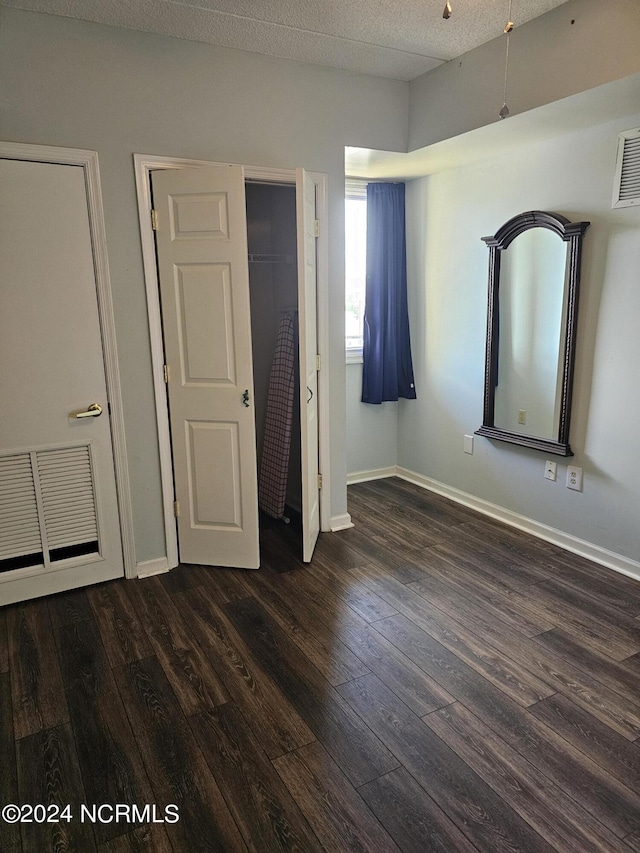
[
  {"x": 468, "y": 444},
  {"x": 550, "y": 470}
]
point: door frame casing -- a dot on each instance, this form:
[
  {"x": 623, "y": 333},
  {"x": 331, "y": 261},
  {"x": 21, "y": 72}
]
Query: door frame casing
[
  {"x": 144, "y": 164},
  {"x": 88, "y": 161}
]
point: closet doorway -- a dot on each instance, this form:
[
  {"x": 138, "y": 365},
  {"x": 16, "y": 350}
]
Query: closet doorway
[
  {"x": 217, "y": 393},
  {"x": 273, "y": 290}
]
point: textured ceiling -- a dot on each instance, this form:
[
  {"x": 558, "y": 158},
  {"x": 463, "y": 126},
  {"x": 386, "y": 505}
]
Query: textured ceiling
[{"x": 391, "y": 38}]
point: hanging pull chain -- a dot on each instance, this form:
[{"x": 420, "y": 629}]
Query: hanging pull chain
[{"x": 504, "y": 112}]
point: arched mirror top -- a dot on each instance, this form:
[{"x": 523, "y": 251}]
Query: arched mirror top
[
  {"x": 563, "y": 227},
  {"x": 531, "y": 328}
]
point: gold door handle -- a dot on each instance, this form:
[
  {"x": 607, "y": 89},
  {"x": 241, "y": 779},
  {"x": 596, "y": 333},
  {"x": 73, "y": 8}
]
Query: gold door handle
[{"x": 94, "y": 410}]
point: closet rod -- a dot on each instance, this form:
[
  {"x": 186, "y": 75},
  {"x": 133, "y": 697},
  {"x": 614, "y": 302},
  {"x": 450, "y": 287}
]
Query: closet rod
[{"x": 257, "y": 258}]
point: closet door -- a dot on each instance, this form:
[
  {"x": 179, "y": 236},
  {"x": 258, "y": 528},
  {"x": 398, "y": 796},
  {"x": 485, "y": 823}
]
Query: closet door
[
  {"x": 201, "y": 241},
  {"x": 306, "y": 227}
]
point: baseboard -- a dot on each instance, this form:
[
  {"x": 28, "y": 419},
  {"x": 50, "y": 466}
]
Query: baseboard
[
  {"x": 340, "y": 522},
  {"x": 617, "y": 562},
  {"x": 376, "y": 474},
  {"x": 147, "y": 568}
]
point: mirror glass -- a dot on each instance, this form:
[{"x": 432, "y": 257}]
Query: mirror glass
[{"x": 532, "y": 309}]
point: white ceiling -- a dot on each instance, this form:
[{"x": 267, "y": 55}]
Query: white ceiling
[{"x": 383, "y": 37}]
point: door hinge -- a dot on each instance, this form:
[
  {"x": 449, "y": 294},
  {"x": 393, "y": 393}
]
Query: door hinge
[
  {"x": 317, "y": 362},
  {"x": 316, "y": 227},
  {"x": 154, "y": 220},
  {"x": 319, "y": 481},
  {"x": 176, "y": 509},
  {"x": 165, "y": 370}
]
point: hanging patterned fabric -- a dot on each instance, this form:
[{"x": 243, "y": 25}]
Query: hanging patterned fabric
[{"x": 274, "y": 467}]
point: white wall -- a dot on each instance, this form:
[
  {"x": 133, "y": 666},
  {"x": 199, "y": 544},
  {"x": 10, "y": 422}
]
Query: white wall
[
  {"x": 372, "y": 430},
  {"x": 447, "y": 214},
  {"x": 82, "y": 85}
]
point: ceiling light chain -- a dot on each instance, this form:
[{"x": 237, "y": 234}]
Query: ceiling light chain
[
  {"x": 508, "y": 27},
  {"x": 504, "y": 112}
]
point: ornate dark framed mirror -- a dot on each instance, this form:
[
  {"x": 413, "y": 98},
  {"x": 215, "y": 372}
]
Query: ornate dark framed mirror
[{"x": 534, "y": 280}]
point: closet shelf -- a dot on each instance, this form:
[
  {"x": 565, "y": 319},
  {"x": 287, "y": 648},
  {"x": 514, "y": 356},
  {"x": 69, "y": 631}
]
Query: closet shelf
[{"x": 270, "y": 259}]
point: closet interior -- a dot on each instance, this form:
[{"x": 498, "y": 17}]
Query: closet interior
[{"x": 273, "y": 284}]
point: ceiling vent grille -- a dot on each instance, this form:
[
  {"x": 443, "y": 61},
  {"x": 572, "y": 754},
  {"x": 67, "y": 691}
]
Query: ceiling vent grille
[{"x": 626, "y": 188}]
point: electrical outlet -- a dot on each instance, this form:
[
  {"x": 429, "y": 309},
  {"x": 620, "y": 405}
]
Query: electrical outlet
[
  {"x": 468, "y": 444},
  {"x": 574, "y": 478},
  {"x": 522, "y": 416},
  {"x": 550, "y": 470}
]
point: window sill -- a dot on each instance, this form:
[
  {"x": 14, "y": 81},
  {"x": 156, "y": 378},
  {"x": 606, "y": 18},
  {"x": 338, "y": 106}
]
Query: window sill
[{"x": 354, "y": 356}]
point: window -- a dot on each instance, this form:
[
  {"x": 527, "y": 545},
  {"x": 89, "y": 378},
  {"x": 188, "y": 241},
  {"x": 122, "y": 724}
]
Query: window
[{"x": 355, "y": 266}]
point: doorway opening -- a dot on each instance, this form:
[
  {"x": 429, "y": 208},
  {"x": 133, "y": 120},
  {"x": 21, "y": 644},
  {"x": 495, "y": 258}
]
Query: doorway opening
[
  {"x": 273, "y": 289},
  {"x": 258, "y": 180}
]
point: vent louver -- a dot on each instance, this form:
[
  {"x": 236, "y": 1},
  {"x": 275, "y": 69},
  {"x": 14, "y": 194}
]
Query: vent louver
[
  {"x": 47, "y": 507},
  {"x": 19, "y": 522},
  {"x": 626, "y": 191},
  {"x": 67, "y": 497}
]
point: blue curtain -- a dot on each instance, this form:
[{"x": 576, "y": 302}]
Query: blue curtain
[{"x": 387, "y": 372}]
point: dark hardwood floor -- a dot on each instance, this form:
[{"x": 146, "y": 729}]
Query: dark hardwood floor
[{"x": 433, "y": 681}]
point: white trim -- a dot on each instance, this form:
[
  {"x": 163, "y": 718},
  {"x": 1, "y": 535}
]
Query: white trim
[
  {"x": 148, "y": 568},
  {"x": 375, "y": 474},
  {"x": 143, "y": 165},
  {"x": 143, "y": 189},
  {"x": 41, "y": 570},
  {"x": 322, "y": 319},
  {"x": 88, "y": 160},
  {"x": 49, "y": 583},
  {"x": 617, "y": 562},
  {"x": 341, "y": 522}
]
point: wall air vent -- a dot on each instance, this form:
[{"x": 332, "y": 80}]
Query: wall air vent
[
  {"x": 626, "y": 187},
  {"x": 47, "y": 507}
]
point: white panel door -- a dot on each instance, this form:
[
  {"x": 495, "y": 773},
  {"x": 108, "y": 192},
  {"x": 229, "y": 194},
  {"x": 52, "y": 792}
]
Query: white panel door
[
  {"x": 201, "y": 240},
  {"x": 306, "y": 226},
  {"x": 59, "y": 525}
]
